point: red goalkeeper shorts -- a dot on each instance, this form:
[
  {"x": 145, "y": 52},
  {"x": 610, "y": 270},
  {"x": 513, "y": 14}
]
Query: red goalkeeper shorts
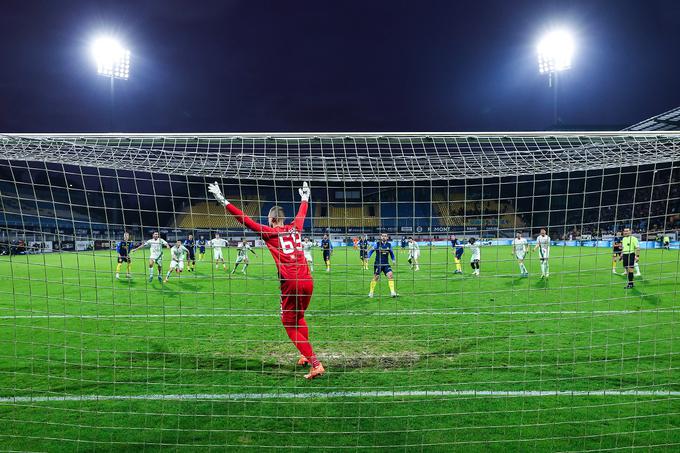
[{"x": 295, "y": 297}]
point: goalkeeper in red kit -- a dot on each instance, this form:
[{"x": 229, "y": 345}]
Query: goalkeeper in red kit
[{"x": 284, "y": 243}]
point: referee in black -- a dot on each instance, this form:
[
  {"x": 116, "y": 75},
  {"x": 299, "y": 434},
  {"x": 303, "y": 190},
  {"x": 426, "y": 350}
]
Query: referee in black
[{"x": 631, "y": 253}]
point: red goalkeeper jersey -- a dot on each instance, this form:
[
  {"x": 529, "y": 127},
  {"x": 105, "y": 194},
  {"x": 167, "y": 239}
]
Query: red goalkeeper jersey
[{"x": 284, "y": 243}]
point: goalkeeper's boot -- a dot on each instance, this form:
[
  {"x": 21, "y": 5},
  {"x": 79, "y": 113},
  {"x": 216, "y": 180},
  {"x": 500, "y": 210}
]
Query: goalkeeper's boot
[
  {"x": 370, "y": 295},
  {"x": 302, "y": 361},
  {"x": 128, "y": 275},
  {"x": 117, "y": 276},
  {"x": 394, "y": 294},
  {"x": 315, "y": 372}
]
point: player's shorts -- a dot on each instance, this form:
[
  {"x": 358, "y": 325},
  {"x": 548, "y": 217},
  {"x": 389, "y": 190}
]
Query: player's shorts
[
  {"x": 474, "y": 258},
  {"x": 543, "y": 254},
  {"x": 381, "y": 268},
  {"x": 308, "y": 257},
  {"x": 295, "y": 297},
  {"x": 520, "y": 255},
  {"x": 414, "y": 255},
  {"x": 326, "y": 255},
  {"x": 192, "y": 254},
  {"x": 459, "y": 255},
  {"x": 201, "y": 250},
  {"x": 617, "y": 251},
  {"x": 124, "y": 259},
  {"x": 177, "y": 264},
  {"x": 158, "y": 260},
  {"x": 217, "y": 254},
  {"x": 363, "y": 254},
  {"x": 628, "y": 259},
  {"x": 241, "y": 258}
]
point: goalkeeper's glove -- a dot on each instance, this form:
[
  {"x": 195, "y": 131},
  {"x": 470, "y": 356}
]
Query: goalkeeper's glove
[
  {"x": 304, "y": 192},
  {"x": 217, "y": 193}
]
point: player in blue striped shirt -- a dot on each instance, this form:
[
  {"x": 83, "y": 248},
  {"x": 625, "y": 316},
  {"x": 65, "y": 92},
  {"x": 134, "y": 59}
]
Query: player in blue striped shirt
[
  {"x": 123, "y": 249},
  {"x": 383, "y": 253}
]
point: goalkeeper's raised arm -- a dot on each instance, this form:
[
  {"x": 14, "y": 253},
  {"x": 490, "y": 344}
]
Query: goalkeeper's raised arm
[{"x": 214, "y": 188}]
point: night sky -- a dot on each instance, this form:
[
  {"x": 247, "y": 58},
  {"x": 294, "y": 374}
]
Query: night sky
[{"x": 253, "y": 66}]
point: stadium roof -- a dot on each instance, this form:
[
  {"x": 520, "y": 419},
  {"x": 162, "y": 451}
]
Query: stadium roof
[{"x": 667, "y": 121}]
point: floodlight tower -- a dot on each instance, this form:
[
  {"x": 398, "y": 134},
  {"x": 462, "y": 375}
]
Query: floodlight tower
[
  {"x": 555, "y": 51},
  {"x": 113, "y": 61}
]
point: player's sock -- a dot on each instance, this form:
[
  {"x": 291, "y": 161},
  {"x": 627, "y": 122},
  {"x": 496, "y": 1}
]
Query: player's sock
[
  {"x": 167, "y": 276},
  {"x": 118, "y": 268},
  {"x": 373, "y": 283},
  {"x": 547, "y": 269},
  {"x": 390, "y": 283},
  {"x": 302, "y": 344},
  {"x": 245, "y": 266},
  {"x": 630, "y": 279},
  {"x": 150, "y": 272}
]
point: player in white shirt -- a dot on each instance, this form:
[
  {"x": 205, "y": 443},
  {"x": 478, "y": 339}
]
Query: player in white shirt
[
  {"x": 177, "y": 254},
  {"x": 474, "y": 246},
  {"x": 243, "y": 248},
  {"x": 543, "y": 247},
  {"x": 413, "y": 254},
  {"x": 307, "y": 249},
  {"x": 520, "y": 247},
  {"x": 217, "y": 243},
  {"x": 155, "y": 244}
]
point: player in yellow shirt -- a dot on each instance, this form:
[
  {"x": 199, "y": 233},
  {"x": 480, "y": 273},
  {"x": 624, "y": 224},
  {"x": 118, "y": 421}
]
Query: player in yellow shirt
[{"x": 631, "y": 255}]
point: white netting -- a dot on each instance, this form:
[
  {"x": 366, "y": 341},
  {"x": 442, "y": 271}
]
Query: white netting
[
  {"x": 93, "y": 359},
  {"x": 356, "y": 157}
]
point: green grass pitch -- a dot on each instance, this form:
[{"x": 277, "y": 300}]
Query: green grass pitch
[{"x": 68, "y": 328}]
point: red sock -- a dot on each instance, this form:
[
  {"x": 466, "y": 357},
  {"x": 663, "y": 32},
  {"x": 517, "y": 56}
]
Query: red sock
[{"x": 301, "y": 342}]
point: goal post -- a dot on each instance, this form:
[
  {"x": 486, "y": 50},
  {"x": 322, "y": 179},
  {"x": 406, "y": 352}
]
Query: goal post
[{"x": 498, "y": 337}]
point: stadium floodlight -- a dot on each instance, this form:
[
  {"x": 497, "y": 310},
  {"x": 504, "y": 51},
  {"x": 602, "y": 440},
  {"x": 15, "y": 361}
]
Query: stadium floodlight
[
  {"x": 113, "y": 60},
  {"x": 555, "y": 51}
]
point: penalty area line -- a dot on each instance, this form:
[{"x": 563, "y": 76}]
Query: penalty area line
[
  {"x": 358, "y": 394},
  {"x": 670, "y": 310}
]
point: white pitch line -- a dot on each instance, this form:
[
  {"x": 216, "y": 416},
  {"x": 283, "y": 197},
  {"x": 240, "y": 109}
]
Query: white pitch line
[
  {"x": 360, "y": 394},
  {"x": 340, "y": 314}
]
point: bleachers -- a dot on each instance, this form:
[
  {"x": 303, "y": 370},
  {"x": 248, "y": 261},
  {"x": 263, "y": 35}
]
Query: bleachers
[
  {"x": 460, "y": 212},
  {"x": 211, "y": 215},
  {"x": 347, "y": 216}
]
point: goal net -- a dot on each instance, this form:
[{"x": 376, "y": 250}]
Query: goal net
[{"x": 498, "y": 337}]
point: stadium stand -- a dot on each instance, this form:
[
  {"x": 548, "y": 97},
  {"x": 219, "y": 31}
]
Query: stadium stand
[
  {"x": 211, "y": 215},
  {"x": 347, "y": 216}
]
